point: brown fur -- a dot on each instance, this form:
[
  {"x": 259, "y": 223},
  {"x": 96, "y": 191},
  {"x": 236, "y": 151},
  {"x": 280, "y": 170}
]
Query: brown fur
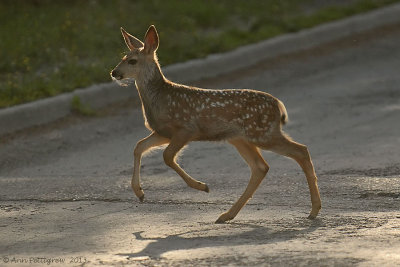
[{"x": 178, "y": 114}]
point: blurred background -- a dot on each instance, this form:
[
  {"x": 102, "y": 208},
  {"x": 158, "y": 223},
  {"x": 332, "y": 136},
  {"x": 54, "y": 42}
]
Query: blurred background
[{"x": 50, "y": 47}]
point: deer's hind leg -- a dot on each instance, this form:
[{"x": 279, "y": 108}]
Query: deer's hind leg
[
  {"x": 176, "y": 144},
  {"x": 286, "y": 147},
  {"x": 259, "y": 169},
  {"x": 142, "y": 146}
]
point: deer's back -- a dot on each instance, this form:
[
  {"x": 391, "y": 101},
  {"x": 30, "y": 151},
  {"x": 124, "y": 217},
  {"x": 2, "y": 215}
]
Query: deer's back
[{"x": 217, "y": 114}]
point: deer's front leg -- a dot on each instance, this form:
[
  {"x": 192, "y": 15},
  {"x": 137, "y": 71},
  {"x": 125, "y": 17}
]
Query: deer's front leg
[
  {"x": 142, "y": 146},
  {"x": 176, "y": 144}
]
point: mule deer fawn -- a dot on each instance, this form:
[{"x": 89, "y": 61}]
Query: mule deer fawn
[{"x": 178, "y": 114}]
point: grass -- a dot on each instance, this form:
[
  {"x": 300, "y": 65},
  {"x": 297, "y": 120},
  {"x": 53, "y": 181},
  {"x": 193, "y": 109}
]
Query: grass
[
  {"x": 51, "y": 47},
  {"x": 79, "y": 108}
]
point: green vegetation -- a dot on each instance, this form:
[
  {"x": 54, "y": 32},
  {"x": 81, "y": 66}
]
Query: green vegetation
[
  {"x": 78, "y": 107},
  {"x": 50, "y": 47}
]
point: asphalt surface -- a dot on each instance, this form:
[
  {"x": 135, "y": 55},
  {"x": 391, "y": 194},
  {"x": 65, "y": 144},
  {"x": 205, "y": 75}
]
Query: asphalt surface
[{"x": 65, "y": 187}]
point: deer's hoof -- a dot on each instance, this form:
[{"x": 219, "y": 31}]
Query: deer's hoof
[
  {"x": 141, "y": 198},
  {"x": 223, "y": 218},
  {"x": 207, "y": 189},
  {"x": 219, "y": 221},
  {"x": 311, "y": 217},
  {"x": 314, "y": 212}
]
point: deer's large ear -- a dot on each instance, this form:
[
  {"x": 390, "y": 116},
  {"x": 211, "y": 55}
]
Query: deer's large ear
[
  {"x": 131, "y": 41},
  {"x": 151, "y": 40}
]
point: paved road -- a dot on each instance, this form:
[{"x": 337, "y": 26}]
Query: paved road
[{"x": 65, "y": 194}]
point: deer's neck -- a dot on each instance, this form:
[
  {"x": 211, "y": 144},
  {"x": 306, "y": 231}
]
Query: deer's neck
[{"x": 150, "y": 82}]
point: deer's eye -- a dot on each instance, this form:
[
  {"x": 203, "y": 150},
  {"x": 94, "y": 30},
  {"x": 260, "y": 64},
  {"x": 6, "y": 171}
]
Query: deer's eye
[{"x": 132, "y": 61}]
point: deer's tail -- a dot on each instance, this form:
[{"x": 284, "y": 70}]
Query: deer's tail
[{"x": 284, "y": 115}]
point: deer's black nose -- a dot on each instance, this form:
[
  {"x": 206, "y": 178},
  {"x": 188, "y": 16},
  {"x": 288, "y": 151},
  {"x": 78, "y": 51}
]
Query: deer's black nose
[{"x": 114, "y": 73}]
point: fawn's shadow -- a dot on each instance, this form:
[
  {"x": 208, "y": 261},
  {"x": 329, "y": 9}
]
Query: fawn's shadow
[{"x": 257, "y": 234}]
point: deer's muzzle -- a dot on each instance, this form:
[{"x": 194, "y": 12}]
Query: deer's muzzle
[{"x": 116, "y": 74}]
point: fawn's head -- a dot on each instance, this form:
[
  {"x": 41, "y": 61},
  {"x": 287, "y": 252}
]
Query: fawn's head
[{"x": 141, "y": 59}]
